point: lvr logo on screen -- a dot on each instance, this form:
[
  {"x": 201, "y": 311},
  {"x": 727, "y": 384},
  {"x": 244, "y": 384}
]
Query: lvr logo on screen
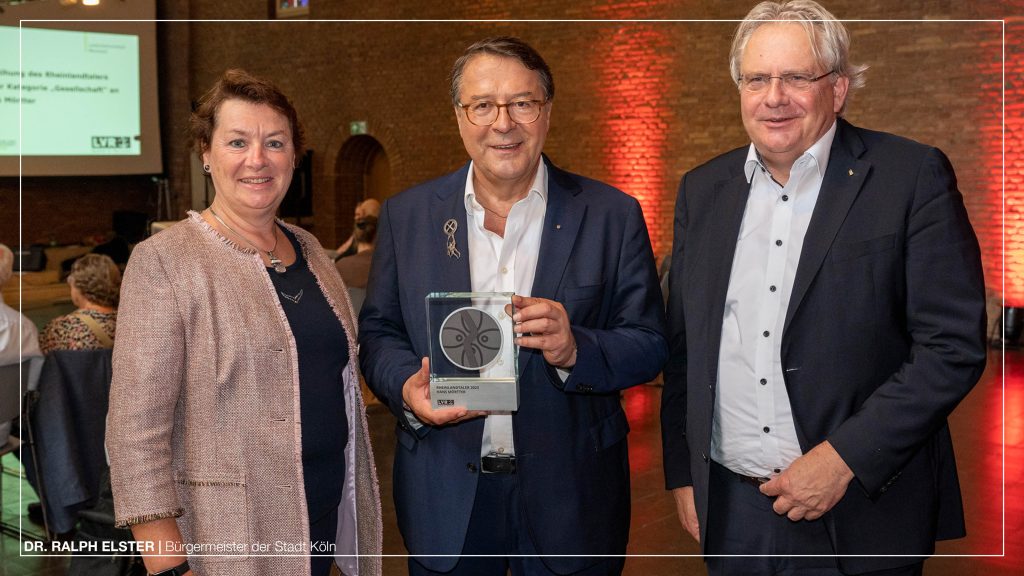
[{"x": 111, "y": 142}]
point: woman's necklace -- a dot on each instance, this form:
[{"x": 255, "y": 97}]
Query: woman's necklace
[{"x": 274, "y": 260}]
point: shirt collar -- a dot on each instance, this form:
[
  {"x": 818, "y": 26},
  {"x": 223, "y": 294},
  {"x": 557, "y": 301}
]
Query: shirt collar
[
  {"x": 539, "y": 188},
  {"x": 818, "y": 154}
]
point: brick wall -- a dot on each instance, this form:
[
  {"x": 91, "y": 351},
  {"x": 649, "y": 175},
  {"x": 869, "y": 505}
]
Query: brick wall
[
  {"x": 1014, "y": 176},
  {"x": 638, "y": 103}
]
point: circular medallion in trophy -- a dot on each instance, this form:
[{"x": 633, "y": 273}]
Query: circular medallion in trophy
[{"x": 471, "y": 338}]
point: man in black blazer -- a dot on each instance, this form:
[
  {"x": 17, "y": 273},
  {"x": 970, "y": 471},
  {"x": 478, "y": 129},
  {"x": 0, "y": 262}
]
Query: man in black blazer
[
  {"x": 551, "y": 478},
  {"x": 826, "y": 314}
]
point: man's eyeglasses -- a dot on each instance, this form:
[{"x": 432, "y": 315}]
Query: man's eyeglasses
[
  {"x": 485, "y": 113},
  {"x": 759, "y": 82}
]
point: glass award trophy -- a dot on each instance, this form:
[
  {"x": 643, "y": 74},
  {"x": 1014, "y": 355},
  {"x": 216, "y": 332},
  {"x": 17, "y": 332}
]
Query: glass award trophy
[{"x": 473, "y": 357}]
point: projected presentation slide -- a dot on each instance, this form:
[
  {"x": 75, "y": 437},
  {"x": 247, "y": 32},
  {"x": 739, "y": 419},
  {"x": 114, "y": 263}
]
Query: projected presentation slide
[{"x": 79, "y": 93}]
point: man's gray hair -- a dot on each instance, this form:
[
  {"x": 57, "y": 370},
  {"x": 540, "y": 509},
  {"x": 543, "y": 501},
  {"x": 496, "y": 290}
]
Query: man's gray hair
[
  {"x": 507, "y": 47},
  {"x": 829, "y": 39}
]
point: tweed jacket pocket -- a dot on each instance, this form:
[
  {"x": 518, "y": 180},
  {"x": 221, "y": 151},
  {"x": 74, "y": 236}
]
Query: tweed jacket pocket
[{"x": 216, "y": 516}]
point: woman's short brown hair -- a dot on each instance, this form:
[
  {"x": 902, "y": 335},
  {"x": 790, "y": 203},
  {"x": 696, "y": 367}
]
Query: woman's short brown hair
[
  {"x": 98, "y": 279},
  {"x": 238, "y": 84}
]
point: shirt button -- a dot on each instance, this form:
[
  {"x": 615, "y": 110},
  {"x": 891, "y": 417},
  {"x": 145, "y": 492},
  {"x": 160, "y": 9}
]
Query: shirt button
[
  {"x": 778, "y": 242},
  {"x": 504, "y": 270},
  {"x": 764, "y": 381},
  {"x": 785, "y": 198},
  {"x": 766, "y": 333},
  {"x": 771, "y": 288},
  {"x": 767, "y": 429}
]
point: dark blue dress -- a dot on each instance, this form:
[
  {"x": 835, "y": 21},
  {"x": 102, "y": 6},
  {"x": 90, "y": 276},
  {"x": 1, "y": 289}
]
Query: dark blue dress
[{"x": 323, "y": 354}]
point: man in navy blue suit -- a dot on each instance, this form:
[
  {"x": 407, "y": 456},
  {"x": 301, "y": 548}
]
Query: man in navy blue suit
[
  {"x": 826, "y": 314},
  {"x": 545, "y": 489}
]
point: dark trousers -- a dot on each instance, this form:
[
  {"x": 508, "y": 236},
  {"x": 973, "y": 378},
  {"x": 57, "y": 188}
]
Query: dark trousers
[
  {"x": 741, "y": 521},
  {"x": 323, "y": 530},
  {"x": 497, "y": 532}
]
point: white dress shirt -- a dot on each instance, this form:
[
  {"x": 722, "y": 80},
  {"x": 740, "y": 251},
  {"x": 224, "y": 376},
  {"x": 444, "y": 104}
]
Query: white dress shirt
[
  {"x": 506, "y": 264},
  {"x": 753, "y": 431},
  {"x": 15, "y": 348}
]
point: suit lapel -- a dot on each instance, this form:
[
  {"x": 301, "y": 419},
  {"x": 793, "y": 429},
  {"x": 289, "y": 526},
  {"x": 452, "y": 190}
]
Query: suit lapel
[
  {"x": 448, "y": 204},
  {"x": 843, "y": 180},
  {"x": 562, "y": 219}
]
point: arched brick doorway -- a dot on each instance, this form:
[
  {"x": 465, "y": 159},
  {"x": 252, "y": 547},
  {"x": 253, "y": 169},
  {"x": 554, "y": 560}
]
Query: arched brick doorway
[{"x": 361, "y": 170}]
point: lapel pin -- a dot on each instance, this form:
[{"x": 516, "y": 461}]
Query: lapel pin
[
  {"x": 558, "y": 226},
  {"x": 449, "y": 229},
  {"x": 851, "y": 171}
]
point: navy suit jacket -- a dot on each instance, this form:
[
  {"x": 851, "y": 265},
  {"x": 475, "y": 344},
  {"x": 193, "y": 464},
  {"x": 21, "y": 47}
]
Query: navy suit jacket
[
  {"x": 570, "y": 437},
  {"x": 884, "y": 335}
]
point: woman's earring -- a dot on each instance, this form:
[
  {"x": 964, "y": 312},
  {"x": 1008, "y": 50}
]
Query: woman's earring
[{"x": 206, "y": 168}]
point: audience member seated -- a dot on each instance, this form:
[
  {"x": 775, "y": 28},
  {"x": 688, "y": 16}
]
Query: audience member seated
[
  {"x": 355, "y": 269},
  {"x": 95, "y": 282},
  {"x": 14, "y": 349},
  {"x": 95, "y": 288},
  {"x": 365, "y": 209}
]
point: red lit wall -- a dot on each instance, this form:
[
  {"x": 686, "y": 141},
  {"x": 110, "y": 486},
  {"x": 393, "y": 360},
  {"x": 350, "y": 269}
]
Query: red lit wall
[
  {"x": 1013, "y": 258},
  {"x": 632, "y": 65}
]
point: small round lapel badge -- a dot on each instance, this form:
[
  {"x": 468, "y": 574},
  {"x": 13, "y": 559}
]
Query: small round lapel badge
[{"x": 471, "y": 338}]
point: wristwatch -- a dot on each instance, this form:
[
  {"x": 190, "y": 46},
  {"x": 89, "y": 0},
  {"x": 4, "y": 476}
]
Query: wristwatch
[{"x": 178, "y": 570}]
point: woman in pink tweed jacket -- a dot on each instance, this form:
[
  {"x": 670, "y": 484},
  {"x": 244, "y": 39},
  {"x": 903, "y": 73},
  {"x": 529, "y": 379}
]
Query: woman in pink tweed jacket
[{"x": 237, "y": 432}]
